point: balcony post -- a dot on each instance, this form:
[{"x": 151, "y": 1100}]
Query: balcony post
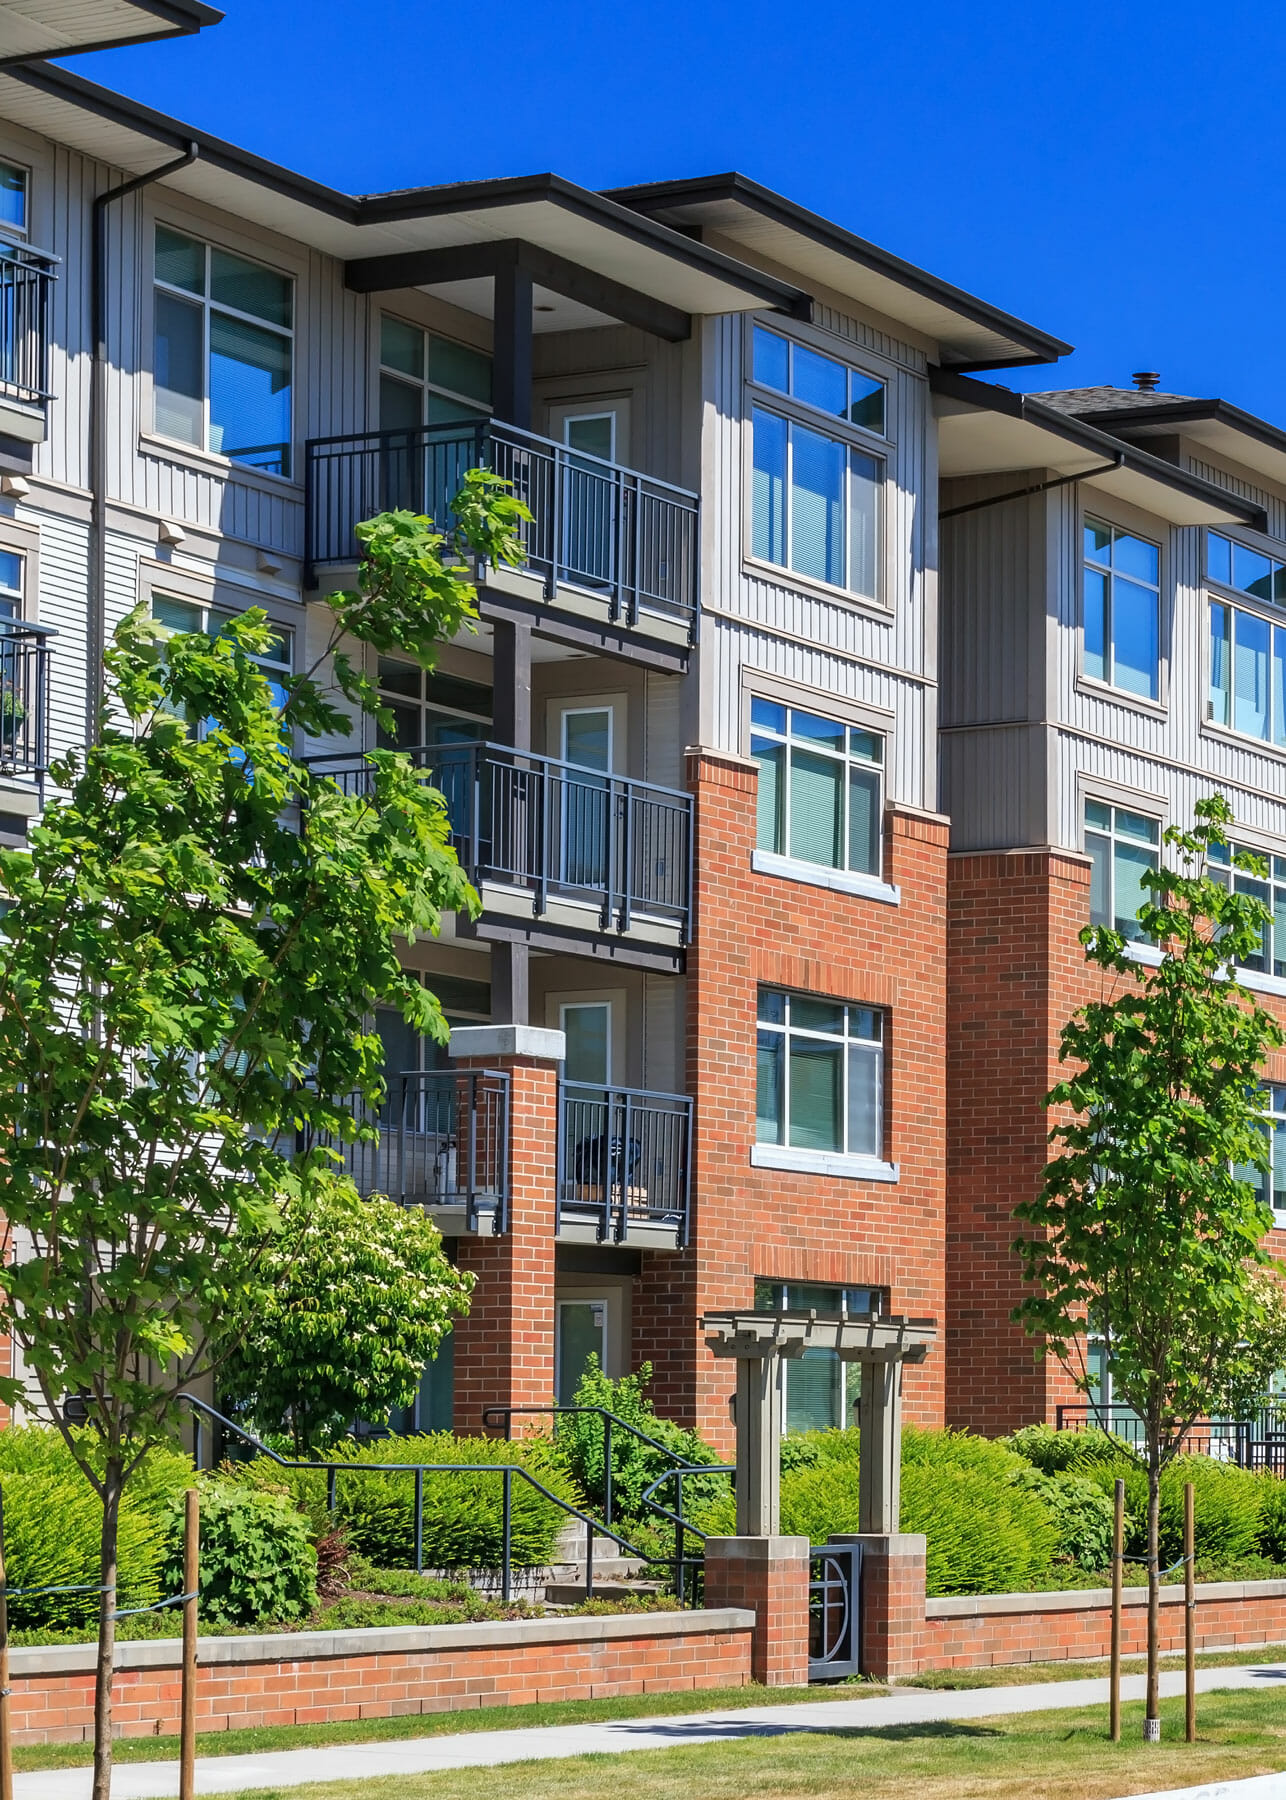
[
  {"x": 511, "y": 716},
  {"x": 511, "y": 345}
]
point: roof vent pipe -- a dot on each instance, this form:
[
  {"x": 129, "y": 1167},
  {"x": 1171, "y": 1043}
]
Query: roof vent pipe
[{"x": 1145, "y": 380}]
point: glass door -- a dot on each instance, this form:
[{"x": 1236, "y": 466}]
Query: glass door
[
  {"x": 586, "y": 742},
  {"x": 590, "y": 497},
  {"x": 581, "y": 1333}
]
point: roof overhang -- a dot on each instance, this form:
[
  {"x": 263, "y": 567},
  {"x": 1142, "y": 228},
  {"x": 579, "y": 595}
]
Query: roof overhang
[
  {"x": 556, "y": 216},
  {"x": 969, "y": 333},
  {"x": 1233, "y": 435},
  {"x": 987, "y": 430},
  {"x": 39, "y": 28}
]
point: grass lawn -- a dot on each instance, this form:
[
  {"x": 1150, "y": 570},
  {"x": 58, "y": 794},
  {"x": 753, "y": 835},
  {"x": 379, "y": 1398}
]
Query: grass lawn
[{"x": 1037, "y": 1756}]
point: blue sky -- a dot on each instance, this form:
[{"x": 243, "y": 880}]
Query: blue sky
[{"x": 1113, "y": 173}]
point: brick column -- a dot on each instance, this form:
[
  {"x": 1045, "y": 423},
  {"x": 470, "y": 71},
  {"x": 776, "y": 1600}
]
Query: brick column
[
  {"x": 504, "y": 1349},
  {"x": 892, "y": 1601},
  {"x": 769, "y": 1575}
]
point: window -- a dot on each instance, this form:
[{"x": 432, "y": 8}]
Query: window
[
  {"x": 1270, "y": 959},
  {"x": 1122, "y": 609},
  {"x": 13, "y": 199},
  {"x": 1122, "y": 846},
  {"x": 224, "y": 350},
  {"x": 428, "y": 380},
  {"x": 11, "y": 573},
  {"x": 1247, "y": 648},
  {"x": 820, "y": 788},
  {"x": 1270, "y": 1184},
  {"x": 430, "y": 707},
  {"x": 815, "y": 490},
  {"x": 182, "y": 615},
  {"x": 820, "y": 1074},
  {"x": 820, "y": 1391}
]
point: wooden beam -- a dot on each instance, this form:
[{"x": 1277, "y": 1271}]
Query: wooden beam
[{"x": 469, "y": 262}]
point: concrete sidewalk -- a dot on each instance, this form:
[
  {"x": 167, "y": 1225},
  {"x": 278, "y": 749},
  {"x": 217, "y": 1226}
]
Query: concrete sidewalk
[{"x": 414, "y": 1756}]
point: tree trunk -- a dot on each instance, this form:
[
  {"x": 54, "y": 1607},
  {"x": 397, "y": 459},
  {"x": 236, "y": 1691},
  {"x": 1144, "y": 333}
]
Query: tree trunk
[
  {"x": 1152, "y": 1710},
  {"x": 104, "y": 1668}
]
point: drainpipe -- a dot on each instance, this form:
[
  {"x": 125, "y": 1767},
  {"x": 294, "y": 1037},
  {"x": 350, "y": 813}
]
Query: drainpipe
[{"x": 96, "y": 634}]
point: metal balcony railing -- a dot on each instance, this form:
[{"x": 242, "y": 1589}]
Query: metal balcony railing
[
  {"x": 624, "y": 1157},
  {"x": 1258, "y": 1442},
  {"x": 24, "y": 697},
  {"x": 556, "y": 829},
  {"x": 26, "y": 278},
  {"x": 595, "y": 525},
  {"x": 443, "y": 1141}
]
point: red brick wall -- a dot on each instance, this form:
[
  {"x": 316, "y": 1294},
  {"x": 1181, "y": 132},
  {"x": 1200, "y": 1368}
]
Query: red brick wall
[
  {"x": 504, "y": 1349},
  {"x": 787, "y": 1226},
  {"x": 769, "y": 1576},
  {"x": 388, "y": 1684},
  {"x": 1226, "y": 1614}
]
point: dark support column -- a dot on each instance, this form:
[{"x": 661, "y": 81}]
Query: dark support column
[
  {"x": 511, "y": 346},
  {"x": 511, "y": 725}
]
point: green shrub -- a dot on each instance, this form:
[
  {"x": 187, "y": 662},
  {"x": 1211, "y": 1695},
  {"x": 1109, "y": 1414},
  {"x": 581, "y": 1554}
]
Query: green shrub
[
  {"x": 53, "y": 1519},
  {"x": 1056, "y": 1451},
  {"x": 1228, "y": 1506},
  {"x": 634, "y": 1465},
  {"x": 1272, "y": 1518},
  {"x": 257, "y": 1565},
  {"x": 1082, "y": 1514},
  {"x": 462, "y": 1513}
]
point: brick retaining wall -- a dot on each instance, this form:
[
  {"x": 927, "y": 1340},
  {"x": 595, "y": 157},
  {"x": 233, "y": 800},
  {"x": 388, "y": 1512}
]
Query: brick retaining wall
[
  {"x": 974, "y": 1631},
  {"x": 308, "y": 1677}
]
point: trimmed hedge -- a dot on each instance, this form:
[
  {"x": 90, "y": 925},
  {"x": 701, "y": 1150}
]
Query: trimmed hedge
[{"x": 463, "y": 1514}]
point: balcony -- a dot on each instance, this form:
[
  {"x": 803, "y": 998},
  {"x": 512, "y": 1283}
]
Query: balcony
[
  {"x": 549, "y": 840},
  {"x": 623, "y": 1166},
  {"x": 26, "y": 279},
  {"x": 604, "y": 541},
  {"x": 443, "y": 1144},
  {"x": 24, "y": 697}
]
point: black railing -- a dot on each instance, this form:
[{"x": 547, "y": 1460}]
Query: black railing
[
  {"x": 557, "y": 830},
  {"x": 594, "y": 524},
  {"x": 442, "y": 1139},
  {"x": 623, "y": 1159},
  {"x": 26, "y": 278},
  {"x": 1255, "y": 1443},
  {"x": 24, "y": 697}
]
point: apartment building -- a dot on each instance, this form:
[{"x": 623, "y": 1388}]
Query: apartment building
[
  {"x": 724, "y": 756},
  {"x": 1114, "y": 572}
]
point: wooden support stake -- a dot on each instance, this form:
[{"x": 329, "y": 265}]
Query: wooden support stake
[
  {"x": 1190, "y": 1611},
  {"x": 6, "y": 1717},
  {"x": 1118, "y": 1557},
  {"x": 191, "y": 1576}
]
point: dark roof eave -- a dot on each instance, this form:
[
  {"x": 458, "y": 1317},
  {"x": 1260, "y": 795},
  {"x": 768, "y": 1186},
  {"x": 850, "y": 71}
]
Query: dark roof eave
[
  {"x": 1179, "y": 412},
  {"x": 1041, "y": 346},
  {"x": 176, "y": 18},
  {"x": 954, "y": 385}
]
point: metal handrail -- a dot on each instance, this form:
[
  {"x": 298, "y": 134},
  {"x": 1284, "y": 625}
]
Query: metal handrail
[
  {"x": 624, "y": 1155},
  {"x": 554, "y": 828},
  {"x": 333, "y": 1469},
  {"x": 24, "y": 695},
  {"x": 1255, "y": 1442},
  {"x": 594, "y": 524},
  {"x": 26, "y": 277}
]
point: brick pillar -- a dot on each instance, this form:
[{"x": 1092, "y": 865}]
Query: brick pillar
[
  {"x": 769, "y": 1575},
  {"x": 504, "y": 1349},
  {"x": 892, "y": 1601}
]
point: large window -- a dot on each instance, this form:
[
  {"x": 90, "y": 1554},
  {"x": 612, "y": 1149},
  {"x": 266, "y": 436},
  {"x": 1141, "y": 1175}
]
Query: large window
[
  {"x": 820, "y": 1074},
  {"x": 1270, "y": 958},
  {"x": 224, "y": 352},
  {"x": 431, "y": 707},
  {"x": 1247, "y": 647},
  {"x": 815, "y": 490},
  {"x": 1122, "y": 847},
  {"x": 183, "y": 615},
  {"x": 1122, "y": 609},
  {"x": 11, "y": 573},
  {"x": 13, "y": 199},
  {"x": 427, "y": 380},
  {"x": 820, "y": 1391},
  {"x": 1270, "y": 1184},
  {"x": 820, "y": 787}
]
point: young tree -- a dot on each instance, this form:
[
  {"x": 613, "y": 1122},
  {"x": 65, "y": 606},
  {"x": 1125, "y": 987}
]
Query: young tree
[
  {"x": 1149, "y": 1223},
  {"x": 357, "y": 1296},
  {"x": 192, "y": 948}
]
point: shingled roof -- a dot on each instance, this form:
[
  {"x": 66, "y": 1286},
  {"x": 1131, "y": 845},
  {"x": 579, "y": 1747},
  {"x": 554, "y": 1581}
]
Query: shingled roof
[{"x": 1080, "y": 401}]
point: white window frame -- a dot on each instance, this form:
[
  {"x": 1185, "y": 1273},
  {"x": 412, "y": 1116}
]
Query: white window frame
[
  {"x": 853, "y": 1044},
  {"x": 876, "y": 446},
  {"x": 1237, "y": 604},
  {"x": 1275, "y": 881},
  {"x": 207, "y": 306},
  {"x": 1116, "y": 804},
  {"x": 1129, "y": 696},
  {"x": 22, "y": 233},
  {"x": 13, "y": 600},
  {"x": 850, "y": 762}
]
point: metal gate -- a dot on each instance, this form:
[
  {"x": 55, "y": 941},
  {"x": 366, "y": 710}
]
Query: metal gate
[{"x": 834, "y": 1611}]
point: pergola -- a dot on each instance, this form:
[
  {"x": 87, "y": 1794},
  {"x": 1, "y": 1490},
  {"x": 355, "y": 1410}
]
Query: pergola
[{"x": 759, "y": 1341}]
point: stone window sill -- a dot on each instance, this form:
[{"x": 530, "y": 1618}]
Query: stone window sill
[
  {"x": 822, "y": 1162},
  {"x": 839, "y": 881}
]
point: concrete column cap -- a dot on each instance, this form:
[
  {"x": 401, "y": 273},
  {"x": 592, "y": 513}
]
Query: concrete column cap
[
  {"x": 884, "y": 1543},
  {"x": 508, "y": 1040},
  {"x": 758, "y": 1549}
]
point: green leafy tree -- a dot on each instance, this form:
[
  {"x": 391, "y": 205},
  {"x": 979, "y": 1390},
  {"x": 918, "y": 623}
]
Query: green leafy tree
[
  {"x": 1150, "y": 1222},
  {"x": 192, "y": 948},
  {"x": 357, "y": 1297}
]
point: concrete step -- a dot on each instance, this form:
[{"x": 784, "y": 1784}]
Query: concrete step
[{"x": 569, "y": 1593}]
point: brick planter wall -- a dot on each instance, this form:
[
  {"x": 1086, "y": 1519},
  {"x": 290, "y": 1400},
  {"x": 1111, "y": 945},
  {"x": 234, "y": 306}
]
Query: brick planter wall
[
  {"x": 309, "y": 1677},
  {"x": 973, "y": 1631}
]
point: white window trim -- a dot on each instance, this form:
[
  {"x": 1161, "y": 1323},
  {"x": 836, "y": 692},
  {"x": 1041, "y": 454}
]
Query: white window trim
[
  {"x": 1100, "y": 685},
  {"x": 1272, "y": 616},
  {"x": 823, "y": 1162},
  {"x": 839, "y": 881}
]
